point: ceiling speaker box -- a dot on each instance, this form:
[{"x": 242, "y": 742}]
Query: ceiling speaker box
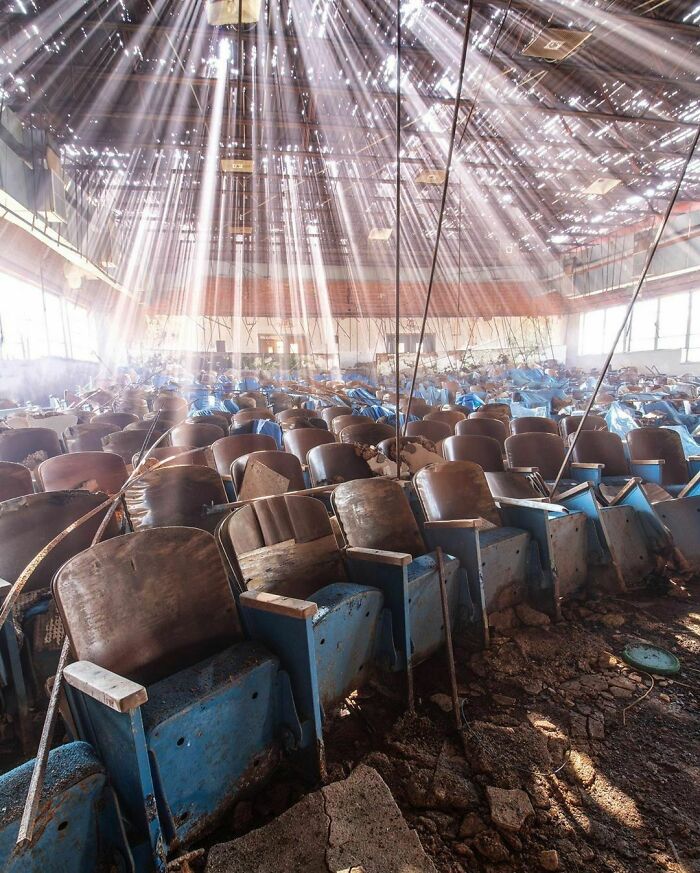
[{"x": 556, "y": 43}]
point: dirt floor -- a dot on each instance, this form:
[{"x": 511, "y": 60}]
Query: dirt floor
[{"x": 599, "y": 763}]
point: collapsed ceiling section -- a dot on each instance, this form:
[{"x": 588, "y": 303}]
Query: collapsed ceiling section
[{"x": 251, "y": 168}]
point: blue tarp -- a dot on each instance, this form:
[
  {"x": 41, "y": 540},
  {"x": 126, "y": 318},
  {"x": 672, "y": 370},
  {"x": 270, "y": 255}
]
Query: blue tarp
[{"x": 620, "y": 419}]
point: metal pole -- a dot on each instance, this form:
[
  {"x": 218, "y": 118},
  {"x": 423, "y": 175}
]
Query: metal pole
[
  {"x": 397, "y": 247},
  {"x": 628, "y": 312},
  {"x": 448, "y": 166}
]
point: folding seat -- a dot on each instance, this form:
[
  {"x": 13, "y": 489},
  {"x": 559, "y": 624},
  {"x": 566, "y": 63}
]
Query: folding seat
[
  {"x": 257, "y": 398},
  {"x": 622, "y": 547},
  {"x": 419, "y": 407},
  {"x": 27, "y": 525},
  {"x": 184, "y": 713},
  {"x": 294, "y": 412},
  {"x": 337, "y": 462},
  {"x": 450, "y": 417},
  {"x": 543, "y": 453},
  {"x": 176, "y": 456},
  {"x": 127, "y": 443},
  {"x": 339, "y": 422},
  {"x": 435, "y": 431},
  {"x": 229, "y": 448},
  {"x": 15, "y": 480},
  {"x": 493, "y": 410},
  {"x": 175, "y": 496},
  {"x": 78, "y": 819},
  {"x": 502, "y": 563},
  {"x": 222, "y": 419},
  {"x": 284, "y": 464},
  {"x": 602, "y": 454},
  {"x": 657, "y": 456},
  {"x": 331, "y": 412},
  {"x": 196, "y": 436},
  {"x": 284, "y": 547},
  {"x": 158, "y": 428},
  {"x": 376, "y": 514},
  {"x": 253, "y": 414},
  {"x": 368, "y": 433},
  {"x": 533, "y": 424},
  {"x": 91, "y": 471},
  {"x": 300, "y": 442},
  {"x": 482, "y": 450},
  {"x": 87, "y": 437},
  {"x": 569, "y": 424},
  {"x": 484, "y": 426},
  {"x": 167, "y": 402},
  {"x": 29, "y": 445},
  {"x": 120, "y": 419}
]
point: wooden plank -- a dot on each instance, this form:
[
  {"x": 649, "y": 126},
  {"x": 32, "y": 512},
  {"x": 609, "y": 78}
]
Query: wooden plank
[
  {"x": 293, "y": 568},
  {"x": 261, "y": 481},
  {"x": 471, "y": 523},
  {"x": 381, "y": 556},
  {"x": 114, "y": 691},
  {"x": 289, "y": 606}
]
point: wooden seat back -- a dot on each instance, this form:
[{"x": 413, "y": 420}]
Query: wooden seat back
[
  {"x": 15, "y": 480},
  {"x": 92, "y": 471},
  {"x": 455, "y": 490},
  {"x": 175, "y": 496},
  {"x": 337, "y": 462}
]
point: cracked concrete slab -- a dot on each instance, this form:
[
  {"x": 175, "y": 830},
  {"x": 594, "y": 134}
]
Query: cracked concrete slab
[{"x": 348, "y": 824}]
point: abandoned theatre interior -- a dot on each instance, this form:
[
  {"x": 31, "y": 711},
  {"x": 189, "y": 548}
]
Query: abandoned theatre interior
[{"x": 349, "y": 436}]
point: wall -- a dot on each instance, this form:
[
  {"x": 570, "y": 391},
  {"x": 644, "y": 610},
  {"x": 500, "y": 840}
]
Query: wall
[{"x": 348, "y": 341}]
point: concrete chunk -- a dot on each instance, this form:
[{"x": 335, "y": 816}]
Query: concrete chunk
[{"x": 347, "y": 825}]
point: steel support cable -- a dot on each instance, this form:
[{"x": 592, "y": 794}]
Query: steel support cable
[
  {"x": 628, "y": 311},
  {"x": 397, "y": 246},
  {"x": 448, "y": 166}
]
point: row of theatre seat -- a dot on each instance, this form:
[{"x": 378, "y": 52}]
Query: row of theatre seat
[{"x": 208, "y": 647}]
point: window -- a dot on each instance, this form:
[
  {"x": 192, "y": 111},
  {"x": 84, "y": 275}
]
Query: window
[
  {"x": 591, "y": 329},
  {"x": 34, "y": 324},
  {"x": 282, "y": 344},
  {"x": 673, "y": 321},
  {"x": 408, "y": 342},
  {"x": 643, "y": 330}
]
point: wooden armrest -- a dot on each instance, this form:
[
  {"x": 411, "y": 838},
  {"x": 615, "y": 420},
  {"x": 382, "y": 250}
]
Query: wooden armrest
[
  {"x": 463, "y": 523},
  {"x": 289, "y": 606},
  {"x": 106, "y": 687},
  {"x": 536, "y": 503},
  {"x": 649, "y": 463},
  {"x": 380, "y": 556},
  {"x": 523, "y": 469},
  {"x": 694, "y": 457},
  {"x": 585, "y": 465}
]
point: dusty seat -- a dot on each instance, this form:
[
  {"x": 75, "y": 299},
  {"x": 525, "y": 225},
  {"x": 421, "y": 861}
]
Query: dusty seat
[
  {"x": 569, "y": 424},
  {"x": 331, "y": 412},
  {"x": 76, "y": 801},
  {"x": 27, "y": 525},
  {"x": 127, "y": 443},
  {"x": 164, "y": 679},
  {"x": 15, "y": 480},
  {"x": 229, "y": 448},
  {"x": 337, "y": 462},
  {"x": 648, "y": 444},
  {"x": 533, "y": 424},
  {"x": 196, "y": 435},
  {"x": 482, "y": 450},
  {"x": 87, "y": 437},
  {"x": 282, "y": 463},
  {"x": 602, "y": 447},
  {"x": 29, "y": 445},
  {"x": 542, "y": 451},
  {"x": 450, "y": 417},
  {"x": 376, "y": 514},
  {"x": 339, "y": 422},
  {"x": 175, "y": 456},
  {"x": 484, "y": 426},
  {"x": 285, "y": 547},
  {"x": 175, "y": 495},
  {"x": 253, "y": 414},
  {"x": 294, "y": 412},
  {"x": 300, "y": 442},
  {"x": 92, "y": 471},
  {"x": 119, "y": 419},
  {"x": 435, "y": 431},
  {"x": 369, "y": 433}
]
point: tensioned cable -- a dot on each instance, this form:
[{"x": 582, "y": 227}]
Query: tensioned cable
[
  {"x": 448, "y": 167},
  {"x": 397, "y": 248},
  {"x": 628, "y": 311}
]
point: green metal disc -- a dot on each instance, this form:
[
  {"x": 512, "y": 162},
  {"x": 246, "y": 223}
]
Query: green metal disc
[{"x": 651, "y": 659}]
